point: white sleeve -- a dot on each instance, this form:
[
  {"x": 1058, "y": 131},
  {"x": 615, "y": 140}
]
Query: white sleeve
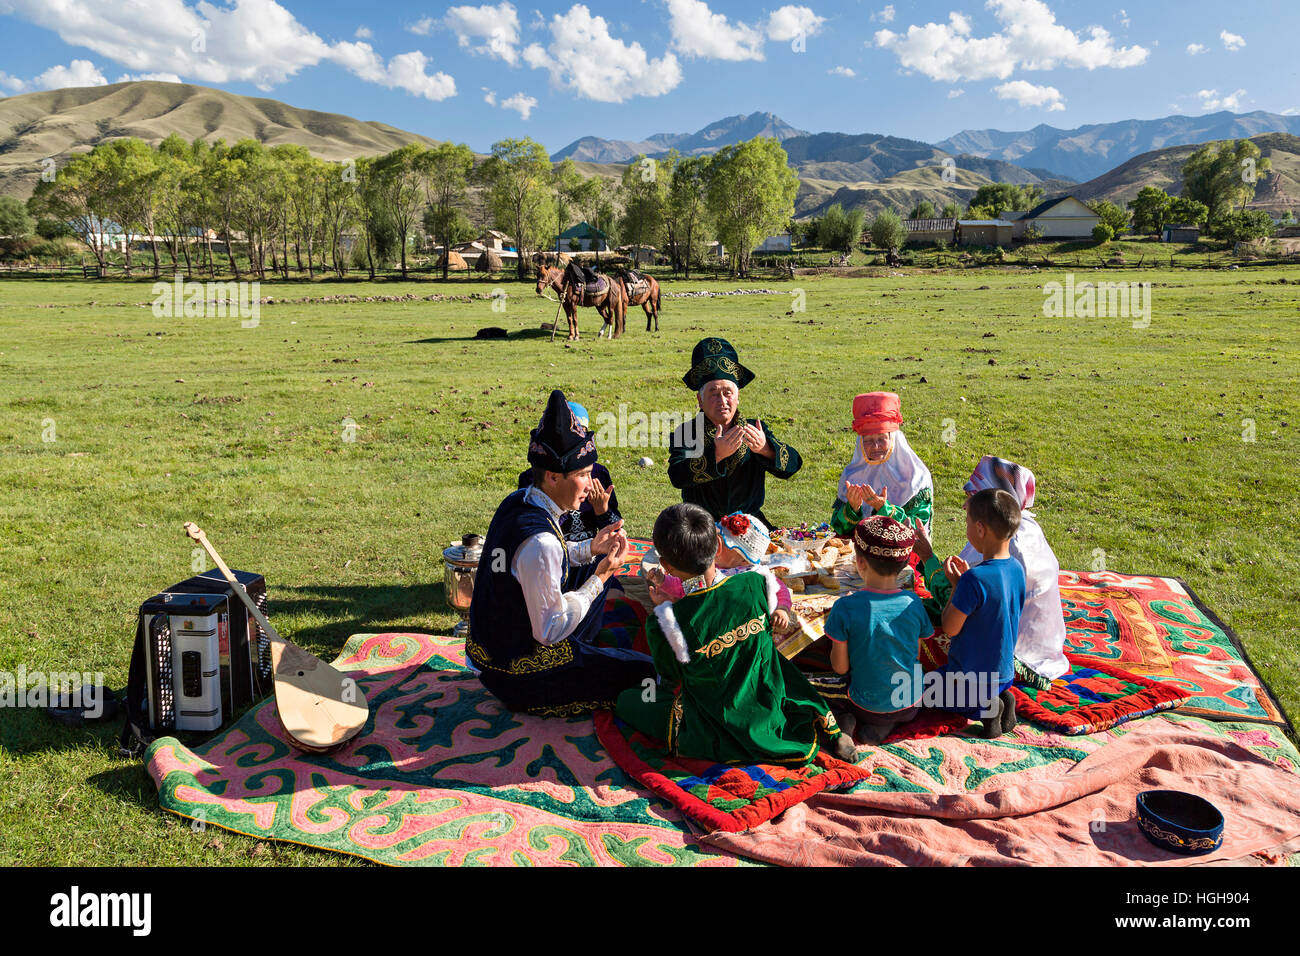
[
  {"x": 580, "y": 551},
  {"x": 538, "y": 566}
]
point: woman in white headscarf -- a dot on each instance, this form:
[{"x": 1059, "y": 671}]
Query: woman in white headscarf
[
  {"x": 884, "y": 477},
  {"x": 1040, "y": 643}
]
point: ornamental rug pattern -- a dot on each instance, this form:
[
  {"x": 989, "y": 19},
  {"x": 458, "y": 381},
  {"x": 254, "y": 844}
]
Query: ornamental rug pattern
[
  {"x": 1155, "y": 627},
  {"x": 442, "y": 775}
]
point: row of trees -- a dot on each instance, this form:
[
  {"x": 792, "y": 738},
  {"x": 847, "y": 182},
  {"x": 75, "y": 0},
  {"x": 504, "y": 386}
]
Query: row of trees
[{"x": 289, "y": 209}]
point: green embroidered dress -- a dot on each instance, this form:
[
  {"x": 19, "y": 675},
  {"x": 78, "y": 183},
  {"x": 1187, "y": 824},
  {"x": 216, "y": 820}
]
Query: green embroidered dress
[
  {"x": 734, "y": 484},
  {"x": 736, "y": 699}
]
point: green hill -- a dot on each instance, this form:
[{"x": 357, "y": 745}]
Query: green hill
[{"x": 37, "y": 126}]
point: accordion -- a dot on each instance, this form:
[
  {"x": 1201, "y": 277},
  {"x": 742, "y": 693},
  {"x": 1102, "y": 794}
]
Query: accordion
[{"x": 199, "y": 658}]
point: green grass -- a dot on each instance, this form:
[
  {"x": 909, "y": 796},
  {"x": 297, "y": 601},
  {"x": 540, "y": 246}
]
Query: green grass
[{"x": 1135, "y": 436}]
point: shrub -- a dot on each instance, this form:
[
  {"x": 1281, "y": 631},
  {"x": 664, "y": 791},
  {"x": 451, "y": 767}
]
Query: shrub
[{"x": 1102, "y": 233}]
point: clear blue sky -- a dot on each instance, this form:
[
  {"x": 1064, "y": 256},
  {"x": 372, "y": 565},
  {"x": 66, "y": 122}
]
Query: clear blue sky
[{"x": 479, "y": 72}]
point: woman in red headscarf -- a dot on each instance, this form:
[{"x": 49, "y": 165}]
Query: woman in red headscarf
[{"x": 885, "y": 477}]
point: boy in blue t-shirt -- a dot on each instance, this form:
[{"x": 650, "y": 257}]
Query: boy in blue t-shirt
[
  {"x": 876, "y": 632},
  {"x": 983, "y": 617}
]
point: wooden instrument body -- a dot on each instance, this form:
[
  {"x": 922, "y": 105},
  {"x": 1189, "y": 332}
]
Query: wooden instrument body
[{"x": 320, "y": 707}]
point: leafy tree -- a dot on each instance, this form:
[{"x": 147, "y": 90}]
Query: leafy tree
[
  {"x": 1223, "y": 174},
  {"x": 1150, "y": 210},
  {"x": 923, "y": 210},
  {"x": 15, "y": 223},
  {"x": 1188, "y": 211},
  {"x": 688, "y": 206},
  {"x": 643, "y": 192},
  {"x": 568, "y": 186},
  {"x": 1111, "y": 215},
  {"x": 1102, "y": 233},
  {"x": 48, "y": 229},
  {"x": 518, "y": 175},
  {"x": 887, "y": 231},
  {"x": 79, "y": 195},
  {"x": 751, "y": 194},
  {"x": 401, "y": 177},
  {"x": 951, "y": 210},
  {"x": 993, "y": 199},
  {"x": 449, "y": 167},
  {"x": 1243, "y": 226},
  {"x": 839, "y": 230}
]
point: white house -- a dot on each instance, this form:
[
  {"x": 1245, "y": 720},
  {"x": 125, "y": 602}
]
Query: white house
[
  {"x": 1062, "y": 218},
  {"x": 779, "y": 243}
]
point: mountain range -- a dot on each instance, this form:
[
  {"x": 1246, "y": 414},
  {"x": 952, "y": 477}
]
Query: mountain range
[
  {"x": 1089, "y": 151},
  {"x": 868, "y": 170}
]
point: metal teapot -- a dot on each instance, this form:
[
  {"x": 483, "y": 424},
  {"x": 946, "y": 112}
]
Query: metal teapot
[{"x": 461, "y": 561}]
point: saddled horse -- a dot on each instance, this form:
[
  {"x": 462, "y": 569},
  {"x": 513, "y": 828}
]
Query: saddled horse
[
  {"x": 610, "y": 301},
  {"x": 644, "y": 293}
]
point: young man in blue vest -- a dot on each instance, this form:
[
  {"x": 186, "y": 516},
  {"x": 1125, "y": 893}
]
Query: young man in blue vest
[{"x": 531, "y": 640}]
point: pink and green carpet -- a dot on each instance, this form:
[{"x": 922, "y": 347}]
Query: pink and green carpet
[{"x": 443, "y": 775}]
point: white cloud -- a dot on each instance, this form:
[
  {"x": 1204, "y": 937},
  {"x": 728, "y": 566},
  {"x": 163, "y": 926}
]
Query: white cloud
[
  {"x": 421, "y": 27},
  {"x": 790, "y": 22},
  {"x": 698, "y": 31},
  {"x": 1291, "y": 111},
  {"x": 1231, "y": 41},
  {"x": 841, "y": 71},
  {"x": 584, "y": 58},
  {"x": 497, "y": 26},
  {"x": 489, "y": 96},
  {"x": 160, "y": 77},
  {"x": 884, "y": 16},
  {"x": 1212, "y": 102},
  {"x": 953, "y": 94},
  {"x": 1029, "y": 38},
  {"x": 249, "y": 41},
  {"x": 76, "y": 73},
  {"x": 1029, "y": 95},
  {"x": 1123, "y": 18},
  {"x": 521, "y": 103},
  {"x": 1196, "y": 49},
  {"x": 363, "y": 33}
]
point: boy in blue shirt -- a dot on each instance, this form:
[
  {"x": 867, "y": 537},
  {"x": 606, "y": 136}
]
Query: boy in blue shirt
[
  {"x": 876, "y": 632},
  {"x": 983, "y": 617}
]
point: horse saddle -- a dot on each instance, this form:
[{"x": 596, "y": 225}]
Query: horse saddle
[{"x": 589, "y": 283}]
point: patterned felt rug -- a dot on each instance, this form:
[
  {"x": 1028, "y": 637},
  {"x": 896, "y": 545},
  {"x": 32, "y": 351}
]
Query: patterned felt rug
[
  {"x": 1155, "y": 627},
  {"x": 1095, "y": 696},
  {"x": 442, "y": 774},
  {"x": 719, "y": 796}
]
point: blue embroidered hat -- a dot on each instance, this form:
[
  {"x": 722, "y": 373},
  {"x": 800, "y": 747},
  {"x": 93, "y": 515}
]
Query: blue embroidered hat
[{"x": 1181, "y": 822}]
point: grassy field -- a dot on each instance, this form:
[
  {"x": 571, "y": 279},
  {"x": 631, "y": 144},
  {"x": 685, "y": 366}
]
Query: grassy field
[{"x": 118, "y": 426}]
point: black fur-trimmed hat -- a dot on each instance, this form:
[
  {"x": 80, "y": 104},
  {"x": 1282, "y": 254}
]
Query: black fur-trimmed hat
[
  {"x": 560, "y": 442},
  {"x": 714, "y": 358}
]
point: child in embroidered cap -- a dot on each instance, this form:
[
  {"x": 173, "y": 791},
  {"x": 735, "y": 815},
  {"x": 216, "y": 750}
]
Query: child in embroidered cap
[
  {"x": 742, "y": 543},
  {"x": 725, "y": 693},
  {"x": 876, "y": 632},
  {"x": 983, "y": 617}
]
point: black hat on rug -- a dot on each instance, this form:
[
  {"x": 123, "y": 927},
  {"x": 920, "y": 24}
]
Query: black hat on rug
[
  {"x": 560, "y": 442},
  {"x": 714, "y": 358}
]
